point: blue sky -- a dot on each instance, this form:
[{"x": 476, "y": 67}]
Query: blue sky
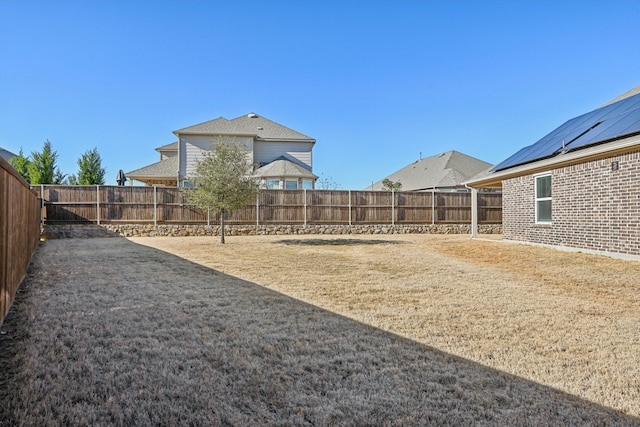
[{"x": 376, "y": 83}]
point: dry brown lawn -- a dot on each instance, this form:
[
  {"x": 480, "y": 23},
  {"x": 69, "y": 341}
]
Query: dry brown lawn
[
  {"x": 321, "y": 330},
  {"x": 567, "y": 320}
]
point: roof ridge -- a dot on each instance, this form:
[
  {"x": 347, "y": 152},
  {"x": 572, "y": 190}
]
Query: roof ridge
[{"x": 250, "y": 124}]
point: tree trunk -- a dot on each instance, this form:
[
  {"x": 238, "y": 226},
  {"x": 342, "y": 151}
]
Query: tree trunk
[{"x": 221, "y": 225}]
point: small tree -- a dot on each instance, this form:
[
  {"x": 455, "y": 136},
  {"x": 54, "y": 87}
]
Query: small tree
[
  {"x": 43, "y": 169},
  {"x": 327, "y": 183},
  {"x": 91, "y": 171},
  {"x": 21, "y": 164},
  {"x": 389, "y": 185},
  {"x": 222, "y": 181}
]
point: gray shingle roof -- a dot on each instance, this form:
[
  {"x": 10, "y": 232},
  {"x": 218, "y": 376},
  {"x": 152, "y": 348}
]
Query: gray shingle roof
[
  {"x": 282, "y": 167},
  {"x": 167, "y": 168},
  {"x": 448, "y": 169},
  {"x": 169, "y": 147},
  {"x": 250, "y": 124},
  {"x": 6, "y": 154}
]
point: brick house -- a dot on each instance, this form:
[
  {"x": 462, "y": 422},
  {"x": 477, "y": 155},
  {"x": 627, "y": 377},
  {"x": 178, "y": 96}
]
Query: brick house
[{"x": 577, "y": 187}]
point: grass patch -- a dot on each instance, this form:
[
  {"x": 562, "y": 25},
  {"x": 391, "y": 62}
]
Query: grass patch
[{"x": 109, "y": 332}]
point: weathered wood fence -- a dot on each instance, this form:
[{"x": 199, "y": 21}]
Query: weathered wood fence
[
  {"x": 19, "y": 232},
  {"x": 166, "y": 205}
]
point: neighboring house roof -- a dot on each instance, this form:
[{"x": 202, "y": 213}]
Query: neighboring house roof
[
  {"x": 247, "y": 125},
  {"x": 281, "y": 167},
  {"x": 169, "y": 147},
  {"x": 6, "y": 154},
  {"x": 448, "y": 169},
  {"x": 167, "y": 168},
  {"x": 610, "y": 129}
]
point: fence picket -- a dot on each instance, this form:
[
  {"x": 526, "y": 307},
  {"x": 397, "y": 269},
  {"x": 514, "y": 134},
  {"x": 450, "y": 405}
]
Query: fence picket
[{"x": 20, "y": 211}]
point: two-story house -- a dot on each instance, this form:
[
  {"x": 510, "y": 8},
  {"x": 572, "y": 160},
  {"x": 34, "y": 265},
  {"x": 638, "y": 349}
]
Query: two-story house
[{"x": 282, "y": 156}]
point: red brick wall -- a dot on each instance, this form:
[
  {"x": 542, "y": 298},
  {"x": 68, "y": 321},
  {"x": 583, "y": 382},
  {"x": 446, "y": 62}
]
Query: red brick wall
[{"x": 594, "y": 207}]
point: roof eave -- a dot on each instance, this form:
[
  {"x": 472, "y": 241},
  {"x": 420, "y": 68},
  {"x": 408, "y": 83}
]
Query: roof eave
[{"x": 309, "y": 140}]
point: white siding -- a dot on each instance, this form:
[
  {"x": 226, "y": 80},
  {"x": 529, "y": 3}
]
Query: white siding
[
  {"x": 192, "y": 147},
  {"x": 265, "y": 152}
]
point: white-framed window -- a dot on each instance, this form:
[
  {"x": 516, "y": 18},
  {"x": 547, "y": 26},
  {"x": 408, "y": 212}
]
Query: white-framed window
[
  {"x": 307, "y": 184},
  {"x": 290, "y": 184},
  {"x": 273, "y": 184},
  {"x": 543, "y": 199}
]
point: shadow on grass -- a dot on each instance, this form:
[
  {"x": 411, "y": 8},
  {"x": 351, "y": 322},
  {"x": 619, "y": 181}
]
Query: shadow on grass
[
  {"x": 336, "y": 242},
  {"x": 107, "y": 332}
]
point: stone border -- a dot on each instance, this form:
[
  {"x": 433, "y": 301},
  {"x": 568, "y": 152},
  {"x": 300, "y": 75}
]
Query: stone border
[{"x": 144, "y": 230}]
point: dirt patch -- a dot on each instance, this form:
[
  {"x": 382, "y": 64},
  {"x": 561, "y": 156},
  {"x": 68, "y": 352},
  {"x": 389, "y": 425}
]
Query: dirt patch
[{"x": 307, "y": 331}]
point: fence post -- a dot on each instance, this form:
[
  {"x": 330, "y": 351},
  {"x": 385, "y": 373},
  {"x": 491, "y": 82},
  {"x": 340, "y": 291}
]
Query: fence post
[
  {"x": 257, "y": 209},
  {"x": 98, "y": 203},
  {"x": 305, "y": 208},
  {"x": 208, "y": 217},
  {"x": 433, "y": 207},
  {"x": 393, "y": 207},
  {"x": 42, "y": 208},
  {"x": 155, "y": 205},
  {"x": 349, "y": 208}
]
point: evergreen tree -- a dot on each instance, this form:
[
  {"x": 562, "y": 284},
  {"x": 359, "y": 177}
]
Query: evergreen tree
[
  {"x": 21, "y": 164},
  {"x": 91, "y": 171},
  {"x": 42, "y": 168}
]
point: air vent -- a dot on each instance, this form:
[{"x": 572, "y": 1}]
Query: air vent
[{"x": 252, "y": 115}]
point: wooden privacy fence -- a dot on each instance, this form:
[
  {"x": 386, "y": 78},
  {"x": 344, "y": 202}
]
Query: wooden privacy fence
[
  {"x": 166, "y": 205},
  {"x": 19, "y": 232}
]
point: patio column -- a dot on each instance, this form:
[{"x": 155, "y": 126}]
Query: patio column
[{"x": 474, "y": 213}]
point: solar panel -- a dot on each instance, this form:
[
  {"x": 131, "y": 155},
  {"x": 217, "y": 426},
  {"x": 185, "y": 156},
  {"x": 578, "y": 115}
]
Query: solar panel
[
  {"x": 610, "y": 129},
  {"x": 608, "y": 122}
]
